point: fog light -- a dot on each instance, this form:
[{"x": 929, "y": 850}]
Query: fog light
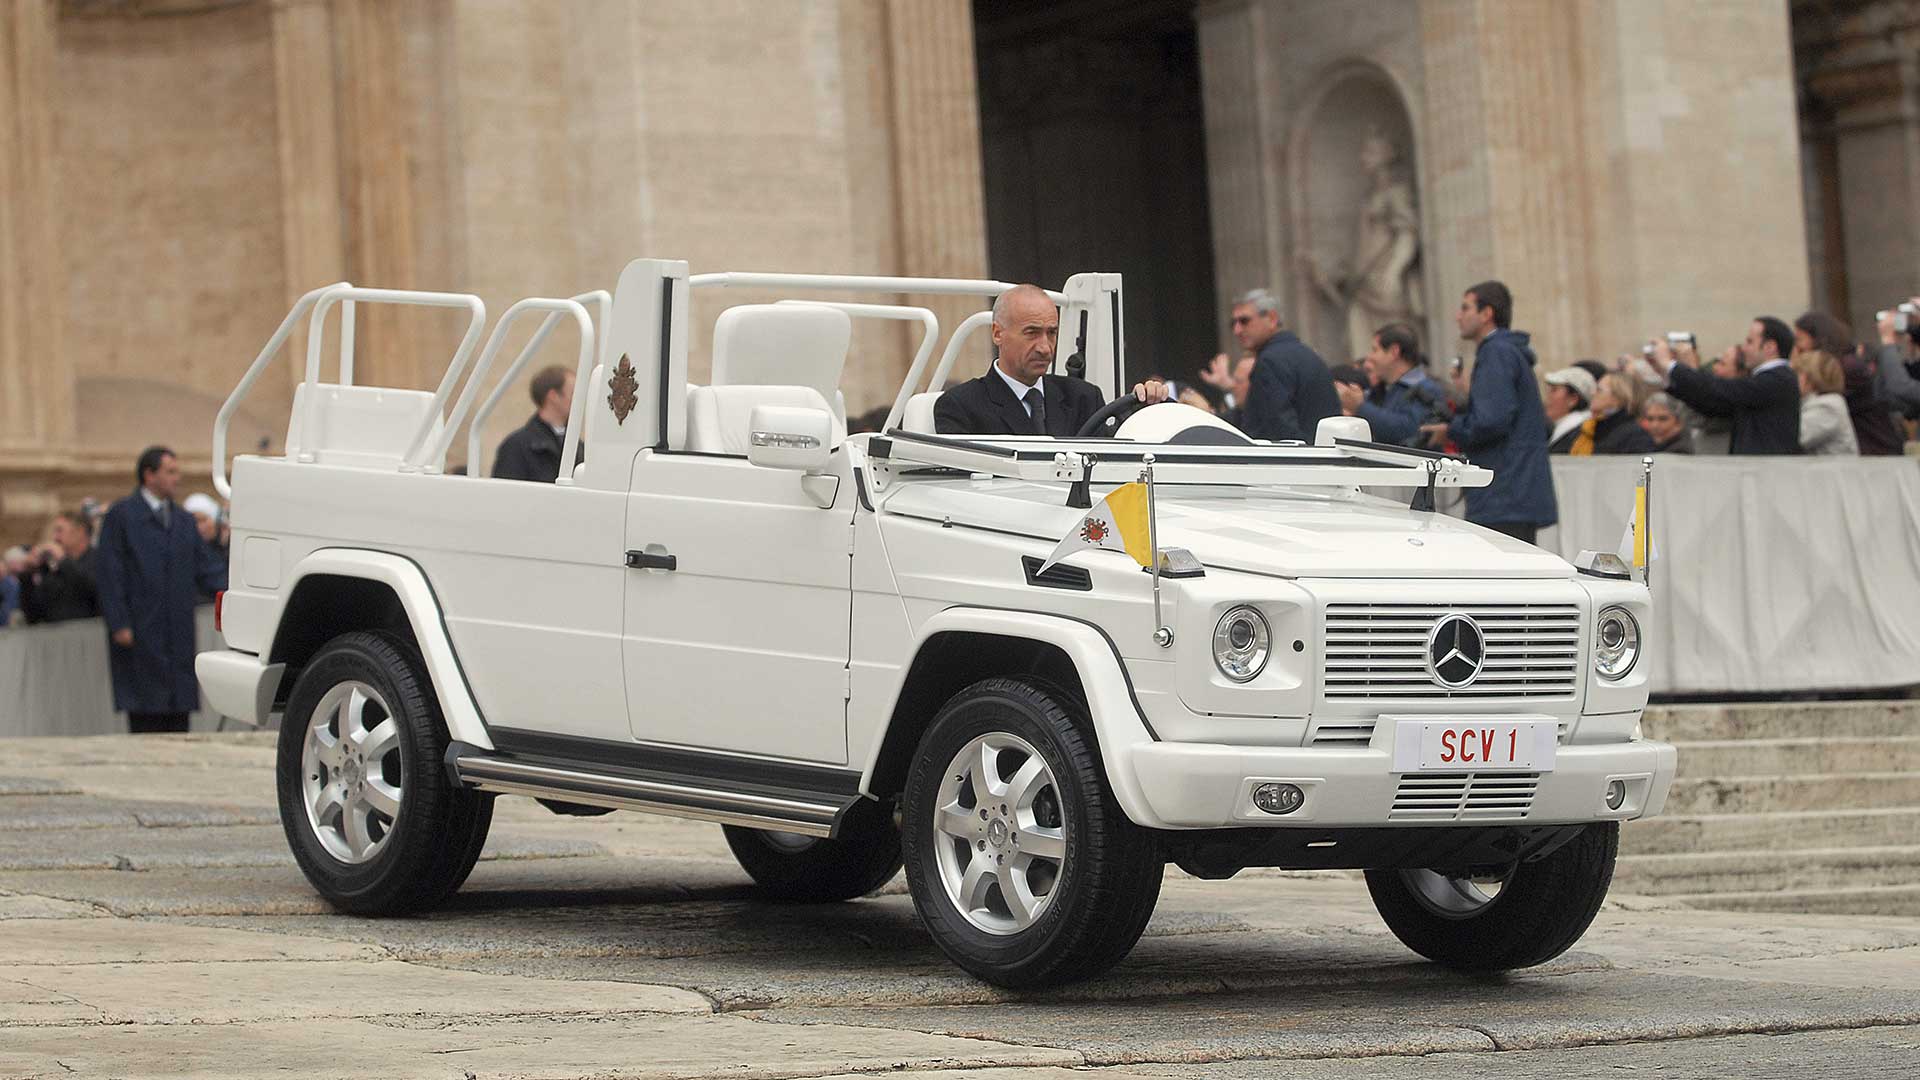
[
  {"x": 1616, "y": 794},
  {"x": 1278, "y": 798}
]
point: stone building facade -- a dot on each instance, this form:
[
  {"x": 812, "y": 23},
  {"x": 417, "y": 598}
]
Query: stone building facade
[{"x": 177, "y": 172}]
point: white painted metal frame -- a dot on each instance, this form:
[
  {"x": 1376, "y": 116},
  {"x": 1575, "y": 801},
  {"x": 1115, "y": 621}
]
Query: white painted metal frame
[
  {"x": 929, "y": 333},
  {"x": 593, "y": 345},
  {"x": 272, "y": 348},
  {"x": 316, "y": 332}
]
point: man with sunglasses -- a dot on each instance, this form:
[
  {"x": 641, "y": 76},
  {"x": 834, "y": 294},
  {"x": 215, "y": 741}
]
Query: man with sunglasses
[{"x": 1290, "y": 390}]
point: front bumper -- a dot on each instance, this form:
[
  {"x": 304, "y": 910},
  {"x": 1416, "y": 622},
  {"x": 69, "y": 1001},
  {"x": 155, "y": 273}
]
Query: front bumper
[
  {"x": 1207, "y": 786},
  {"x": 237, "y": 684}
]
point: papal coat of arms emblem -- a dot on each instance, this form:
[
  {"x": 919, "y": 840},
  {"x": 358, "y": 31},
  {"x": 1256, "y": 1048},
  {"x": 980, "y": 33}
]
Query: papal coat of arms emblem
[
  {"x": 1093, "y": 530},
  {"x": 625, "y": 387}
]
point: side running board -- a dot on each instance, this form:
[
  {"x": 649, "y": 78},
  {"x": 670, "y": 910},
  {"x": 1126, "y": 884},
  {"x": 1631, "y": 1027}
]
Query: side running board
[{"x": 813, "y": 807}]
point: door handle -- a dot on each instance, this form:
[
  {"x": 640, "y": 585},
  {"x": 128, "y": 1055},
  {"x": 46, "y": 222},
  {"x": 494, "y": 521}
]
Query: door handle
[{"x": 652, "y": 560}]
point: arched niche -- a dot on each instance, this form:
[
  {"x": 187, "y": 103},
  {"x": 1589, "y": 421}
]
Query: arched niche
[{"x": 1338, "y": 213}]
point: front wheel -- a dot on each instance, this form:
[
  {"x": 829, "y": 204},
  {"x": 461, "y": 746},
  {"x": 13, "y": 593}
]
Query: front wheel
[
  {"x": 1500, "y": 918},
  {"x": 1021, "y": 864},
  {"x": 373, "y": 819}
]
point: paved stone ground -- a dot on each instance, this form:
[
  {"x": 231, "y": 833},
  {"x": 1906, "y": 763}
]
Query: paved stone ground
[{"x": 152, "y": 925}]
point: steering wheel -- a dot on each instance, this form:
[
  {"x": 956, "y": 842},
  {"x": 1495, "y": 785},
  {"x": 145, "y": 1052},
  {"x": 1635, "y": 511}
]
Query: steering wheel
[{"x": 1116, "y": 410}]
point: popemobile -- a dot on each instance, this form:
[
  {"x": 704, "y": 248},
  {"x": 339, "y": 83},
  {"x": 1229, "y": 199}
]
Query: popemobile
[{"x": 953, "y": 652}]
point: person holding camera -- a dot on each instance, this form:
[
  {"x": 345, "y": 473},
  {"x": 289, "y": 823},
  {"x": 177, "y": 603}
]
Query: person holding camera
[
  {"x": 1763, "y": 404},
  {"x": 1403, "y": 397},
  {"x": 61, "y": 584},
  {"x": 1897, "y": 343}
]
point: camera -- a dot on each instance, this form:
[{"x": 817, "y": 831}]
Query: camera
[
  {"x": 1903, "y": 316},
  {"x": 1455, "y": 364},
  {"x": 1677, "y": 338}
]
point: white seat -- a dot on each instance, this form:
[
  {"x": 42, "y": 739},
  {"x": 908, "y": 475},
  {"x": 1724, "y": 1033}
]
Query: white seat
[
  {"x": 717, "y": 416},
  {"x": 783, "y": 345},
  {"x": 366, "y": 427},
  {"x": 919, "y": 414}
]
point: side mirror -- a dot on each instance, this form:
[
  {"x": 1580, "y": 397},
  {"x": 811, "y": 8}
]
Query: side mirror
[{"x": 790, "y": 437}]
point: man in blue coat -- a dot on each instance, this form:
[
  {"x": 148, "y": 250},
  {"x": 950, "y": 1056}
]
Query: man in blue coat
[
  {"x": 150, "y": 565},
  {"x": 1503, "y": 425},
  {"x": 1291, "y": 389}
]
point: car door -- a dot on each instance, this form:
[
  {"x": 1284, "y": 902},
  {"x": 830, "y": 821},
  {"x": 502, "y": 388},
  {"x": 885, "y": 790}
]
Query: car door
[{"x": 738, "y": 608}]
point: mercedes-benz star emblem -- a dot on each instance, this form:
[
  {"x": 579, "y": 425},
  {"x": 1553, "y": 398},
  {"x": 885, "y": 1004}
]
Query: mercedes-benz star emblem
[{"x": 1455, "y": 650}]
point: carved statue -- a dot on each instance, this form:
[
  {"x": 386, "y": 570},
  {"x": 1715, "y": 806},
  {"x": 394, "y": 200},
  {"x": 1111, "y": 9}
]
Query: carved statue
[{"x": 1383, "y": 284}]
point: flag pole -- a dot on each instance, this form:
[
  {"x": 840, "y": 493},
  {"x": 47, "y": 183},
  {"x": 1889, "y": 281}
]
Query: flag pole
[
  {"x": 1162, "y": 633},
  {"x": 1646, "y": 522}
]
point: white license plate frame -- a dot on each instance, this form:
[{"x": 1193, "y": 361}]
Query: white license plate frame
[{"x": 1516, "y": 744}]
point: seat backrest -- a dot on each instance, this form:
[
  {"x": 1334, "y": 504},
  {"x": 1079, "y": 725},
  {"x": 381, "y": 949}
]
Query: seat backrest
[
  {"x": 783, "y": 345},
  {"x": 717, "y": 416},
  {"x": 919, "y": 414},
  {"x": 363, "y": 426}
]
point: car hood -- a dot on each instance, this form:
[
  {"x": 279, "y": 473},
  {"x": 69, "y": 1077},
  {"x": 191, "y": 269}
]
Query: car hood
[{"x": 1308, "y": 532}]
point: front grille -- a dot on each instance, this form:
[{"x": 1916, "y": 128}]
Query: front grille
[
  {"x": 1379, "y": 651},
  {"x": 1464, "y": 797}
]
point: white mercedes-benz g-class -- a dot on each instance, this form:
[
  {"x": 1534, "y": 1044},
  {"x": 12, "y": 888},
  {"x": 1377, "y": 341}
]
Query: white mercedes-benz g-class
[{"x": 847, "y": 651}]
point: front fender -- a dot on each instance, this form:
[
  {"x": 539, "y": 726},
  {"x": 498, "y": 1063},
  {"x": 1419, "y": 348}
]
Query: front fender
[
  {"x": 1118, "y": 722},
  {"x": 422, "y": 608}
]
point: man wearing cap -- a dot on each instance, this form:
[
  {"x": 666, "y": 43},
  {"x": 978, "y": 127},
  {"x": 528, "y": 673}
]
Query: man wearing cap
[
  {"x": 211, "y": 523},
  {"x": 1569, "y": 405}
]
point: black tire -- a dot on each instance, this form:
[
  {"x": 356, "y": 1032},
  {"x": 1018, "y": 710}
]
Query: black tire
[
  {"x": 1542, "y": 908},
  {"x": 810, "y": 870},
  {"x": 431, "y": 845},
  {"x": 1106, "y": 884}
]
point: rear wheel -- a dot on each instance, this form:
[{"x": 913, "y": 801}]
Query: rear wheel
[
  {"x": 374, "y": 822},
  {"x": 1022, "y": 865},
  {"x": 814, "y": 870},
  {"x": 1498, "y": 918}
]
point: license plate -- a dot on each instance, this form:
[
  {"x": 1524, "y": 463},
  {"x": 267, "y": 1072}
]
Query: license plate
[{"x": 1474, "y": 745}]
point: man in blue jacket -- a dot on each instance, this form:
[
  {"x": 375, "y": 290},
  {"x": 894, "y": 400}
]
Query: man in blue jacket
[
  {"x": 1503, "y": 426},
  {"x": 1404, "y": 395},
  {"x": 1290, "y": 390}
]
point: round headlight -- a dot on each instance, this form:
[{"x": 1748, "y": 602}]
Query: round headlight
[
  {"x": 1616, "y": 643},
  {"x": 1240, "y": 643}
]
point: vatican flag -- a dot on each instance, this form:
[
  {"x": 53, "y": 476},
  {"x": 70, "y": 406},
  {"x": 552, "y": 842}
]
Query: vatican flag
[
  {"x": 1117, "y": 523},
  {"x": 1636, "y": 544}
]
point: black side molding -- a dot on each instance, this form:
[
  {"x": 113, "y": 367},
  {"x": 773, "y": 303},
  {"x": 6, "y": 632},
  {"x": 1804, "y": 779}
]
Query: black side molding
[{"x": 1058, "y": 576}]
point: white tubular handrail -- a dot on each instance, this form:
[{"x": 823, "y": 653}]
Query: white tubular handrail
[
  {"x": 240, "y": 390},
  {"x": 583, "y": 371},
  {"x": 961, "y": 333},
  {"x": 602, "y": 300},
  {"x": 929, "y": 333},
  {"x": 852, "y": 283},
  {"x": 476, "y": 320}
]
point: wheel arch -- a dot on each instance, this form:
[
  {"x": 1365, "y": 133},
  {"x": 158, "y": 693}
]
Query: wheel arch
[
  {"x": 335, "y": 591},
  {"x": 960, "y": 646}
]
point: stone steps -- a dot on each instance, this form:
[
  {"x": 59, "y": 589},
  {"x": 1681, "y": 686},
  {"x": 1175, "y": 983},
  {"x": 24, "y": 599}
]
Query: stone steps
[
  {"x": 1799, "y": 757},
  {"x": 1793, "y": 807},
  {"x": 1707, "y": 833},
  {"x": 1899, "y": 900},
  {"x": 1811, "y": 869},
  {"x": 1790, "y": 720}
]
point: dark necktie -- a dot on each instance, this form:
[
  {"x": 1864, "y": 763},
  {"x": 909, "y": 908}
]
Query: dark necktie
[
  {"x": 166, "y": 515},
  {"x": 1037, "y": 407}
]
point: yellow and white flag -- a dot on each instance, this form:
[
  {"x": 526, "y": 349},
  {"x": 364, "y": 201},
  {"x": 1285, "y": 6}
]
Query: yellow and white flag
[
  {"x": 1116, "y": 523},
  {"x": 1636, "y": 546}
]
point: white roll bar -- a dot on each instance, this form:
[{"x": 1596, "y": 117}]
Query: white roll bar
[
  {"x": 240, "y": 390},
  {"x": 476, "y": 319},
  {"x": 852, "y": 283},
  {"x": 582, "y": 373},
  {"x": 929, "y": 333}
]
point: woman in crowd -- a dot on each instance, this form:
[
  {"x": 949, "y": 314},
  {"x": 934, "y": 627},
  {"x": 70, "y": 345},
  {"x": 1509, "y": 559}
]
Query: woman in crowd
[
  {"x": 1612, "y": 427},
  {"x": 1825, "y": 426},
  {"x": 1664, "y": 420}
]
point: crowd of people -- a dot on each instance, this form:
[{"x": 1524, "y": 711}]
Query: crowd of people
[{"x": 141, "y": 566}]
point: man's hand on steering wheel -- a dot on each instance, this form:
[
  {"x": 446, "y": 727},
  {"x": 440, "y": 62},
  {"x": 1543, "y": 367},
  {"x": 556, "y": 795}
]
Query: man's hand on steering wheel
[{"x": 1152, "y": 392}]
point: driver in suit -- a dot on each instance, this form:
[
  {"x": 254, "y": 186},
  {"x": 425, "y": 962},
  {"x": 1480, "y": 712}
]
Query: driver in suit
[{"x": 1017, "y": 395}]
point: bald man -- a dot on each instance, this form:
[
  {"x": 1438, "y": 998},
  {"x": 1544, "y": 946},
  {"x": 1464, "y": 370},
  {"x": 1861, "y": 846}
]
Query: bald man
[{"x": 1018, "y": 396}]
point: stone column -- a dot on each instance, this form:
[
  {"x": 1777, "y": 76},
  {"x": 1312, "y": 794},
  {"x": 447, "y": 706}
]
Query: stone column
[
  {"x": 1239, "y": 160},
  {"x": 1861, "y": 76},
  {"x": 36, "y": 378},
  {"x": 939, "y": 196},
  {"x": 311, "y": 215}
]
